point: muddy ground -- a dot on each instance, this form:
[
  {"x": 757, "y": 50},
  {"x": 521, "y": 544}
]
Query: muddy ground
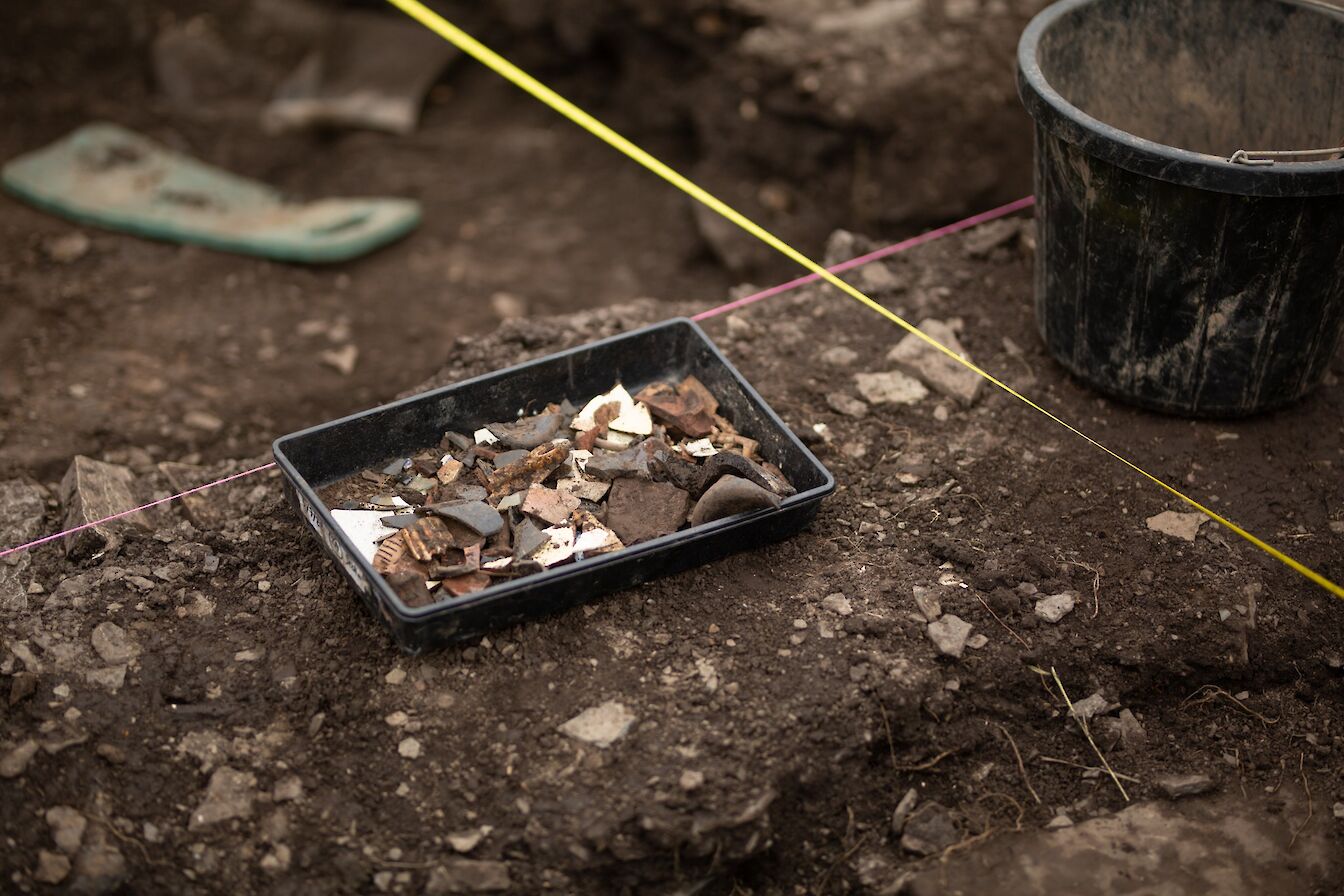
[{"x": 247, "y": 727}]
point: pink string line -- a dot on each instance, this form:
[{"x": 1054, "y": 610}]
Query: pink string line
[
  {"x": 902, "y": 246},
  {"x": 948, "y": 230},
  {"x": 124, "y": 513}
]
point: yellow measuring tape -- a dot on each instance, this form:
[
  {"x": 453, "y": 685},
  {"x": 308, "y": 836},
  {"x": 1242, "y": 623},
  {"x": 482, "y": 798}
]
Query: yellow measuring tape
[{"x": 501, "y": 66}]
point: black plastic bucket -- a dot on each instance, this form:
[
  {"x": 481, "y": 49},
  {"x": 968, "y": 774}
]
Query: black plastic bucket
[{"x": 1169, "y": 275}]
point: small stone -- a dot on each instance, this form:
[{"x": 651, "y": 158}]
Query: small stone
[
  {"x": 949, "y": 634},
  {"x": 52, "y": 867},
  {"x": 1089, "y": 707},
  {"x": 67, "y": 248},
  {"x": 1056, "y": 606},
  {"x": 341, "y": 359},
  {"x": 919, "y": 359},
  {"x": 287, "y": 790},
  {"x": 641, "y": 510},
  {"x": 837, "y": 603},
  {"x": 251, "y": 655},
  {"x": 901, "y": 813},
  {"x": 977, "y": 642},
  {"x": 468, "y": 876},
  {"x": 691, "y": 780},
  {"x": 93, "y": 490},
  {"x": 100, "y": 867},
  {"x": 1058, "y": 822},
  {"x": 930, "y": 607},
  {"x": 67, "y": 828},
  {"x": 838, "y": 356},
  {"x": 529, "y": 432},
  {"x": 110, "y": 678},
  {"x": 929, "y": 830},
  {"x": 730, "y": 496},
  {"x": 600, "y": 725},
  {"x": 409, "y": 748},
  {"x": 892, "y": 387},
  {"x": 466, "y": 841},
  {"x": 846, "y": 404},
  {"x": 15, "y": 762},
  {"x": 1338, "y": 810},
  {"x": 229, "y": 795},
  {"x": 278, "y": 859},
  {"x": 1184, "y": 526},
  {"x": 396, "y": 676},
  {"x": 1175, "y": 787}
]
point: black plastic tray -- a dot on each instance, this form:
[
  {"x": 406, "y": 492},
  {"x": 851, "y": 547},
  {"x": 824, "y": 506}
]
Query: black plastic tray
[{"x": 319, "y": 456}]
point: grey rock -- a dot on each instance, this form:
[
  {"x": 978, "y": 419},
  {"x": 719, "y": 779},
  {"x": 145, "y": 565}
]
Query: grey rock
[
  {"x": 1090, "y": 707},
  {"x": 846, "y": 404},
  {"x": 929, "y": 831},
  {"x": 1059, "y": 822},
  {"x": 15, "y": 762},
  {"x": 67, "y": 828},
  {"x": 1132, "y": 735},
  {"x": 230, "y": 794},
  {"x": 110, "y": 678},
  {"x": 52, "y": 867},
  {"x": 529, "y": 432},
  {"x": 1175, "y": 787},
  {"x": 100, "y": 867},
  {"x": 468, "y": 876},
  {"x": 113, "y": 644},
  {"x": 1056, "y": 606},
  {"x": 477, "y": 516},
  {"x": 838, "y": 356},
  {"x": 892, "y": 387},
  {"x": 730, "y": 496},
  {"x": 949, "y": 634},
  {"x": 22, "y": 506},
  {"x": 92, "y": 490},
  {"x": 837, "y": 603},
  {"x": 942, "y": 374},
  {"x": 930, "y": 607},
  {"x": 600, "y": 725}
]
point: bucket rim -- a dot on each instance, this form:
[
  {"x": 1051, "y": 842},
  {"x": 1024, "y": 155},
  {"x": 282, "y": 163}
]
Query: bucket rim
[{"x": 1150, "y": 158}]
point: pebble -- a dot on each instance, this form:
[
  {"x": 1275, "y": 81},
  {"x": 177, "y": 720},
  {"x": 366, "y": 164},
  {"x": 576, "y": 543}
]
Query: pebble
[
  {"x": 846, "y": 404},
  {"x": 1184, "y": 526},
  {"x": 1056, "y": 606},
  {"x": 837, "y": 603},
  {"x": 251, "y": 655},
  {"x": 396, "y": 676},
  {"x": 396, "y": 719},
  {"x": 930, "y": 607},
  {"x": 409, "y": 748},
  {"x": 99, "y": 867},
  {"x": 691, "y": 780},
  {"x": 52, "y": 867},
  {"x": 92, "y": 490},
  {"x": 901, "y": 813},
  {"x": 1059, "y": 821},
  {"x": 468, "y": 876},
  {"x": 1089, "y": 707},
  {"x": 67, "y": 828},
  {"x": 942, "y": 374},
  {"x": 949, "y": 634},
  {"x": 229, "y": 794},
  {"x": 287, "y": 789},
  {"x": 891, "y": 387},
  {"x": 66, "y": 248},
  {"x": 15, "y": 762},
  {"x": 110, "y": 677},
  {"x": 600, "y": 725},
  {"x": 838, "y": 356},
  {"x": 929, "y": 830},
  {"x": 112, "y": 642},
  {"x": 977, "y": 642},
  {"x": 466, "y": 841},
  {"x": 1176, "y": 786},
  {"x": 1338, "y": 809}
]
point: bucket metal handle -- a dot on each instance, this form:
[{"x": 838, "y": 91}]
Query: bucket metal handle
[{"x": 1269, "y": 157}]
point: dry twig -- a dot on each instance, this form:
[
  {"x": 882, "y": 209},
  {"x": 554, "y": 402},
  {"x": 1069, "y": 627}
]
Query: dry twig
[
  {"x": 1301, "y": 758},
  {"x": 1096, "y": 584},
  {"x": 1087, "y": 732},
  {"x": 1210, "y": 692},
  {"x": 1021, "y": 767},
  {"x": 1088, "y": 768},
  {"x": 1002, "y": 623}
]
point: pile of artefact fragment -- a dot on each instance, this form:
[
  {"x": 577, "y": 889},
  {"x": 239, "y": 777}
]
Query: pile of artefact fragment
[{"x": 555, "y": 487}]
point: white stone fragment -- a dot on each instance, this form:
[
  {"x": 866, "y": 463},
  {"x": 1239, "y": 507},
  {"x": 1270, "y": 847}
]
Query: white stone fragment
[
  {"x": 364, "y": 529},
  {"x": 600, "y": 725},
  {"x": 1184, "y": 526},
  {"x": 485, "y": 437}
]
